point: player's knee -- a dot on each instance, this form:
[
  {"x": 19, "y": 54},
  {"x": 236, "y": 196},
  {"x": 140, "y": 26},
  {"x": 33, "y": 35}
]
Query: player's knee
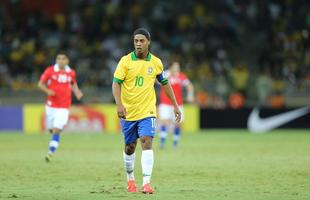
[
  {"x": 165, "y": 122},
  {"x": 56, "y": 130},
  {"x": 146, "y": 142},
  {"x": 178, "y": 125},
  {"x": 130, "y": 149}
]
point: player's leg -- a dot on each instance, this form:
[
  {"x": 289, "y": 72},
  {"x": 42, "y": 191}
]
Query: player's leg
[
  {"x": 49, "y": 119},
  {"x": 164, "y": 126},
  {"x": 146, "y": 131},
  {"x": 129, "y": 130},
  {"x": 177, "y": 130},
  {"x": 54, "y": 143},
  {"x": 60, "y": 118},
  {"x": 129, "y": 163},
  {"x": 147, "y": 161},
  {"x": 176, "y": 134},
  {"x": 165, "y": 112},
  {"x": 129, "y": 160}
]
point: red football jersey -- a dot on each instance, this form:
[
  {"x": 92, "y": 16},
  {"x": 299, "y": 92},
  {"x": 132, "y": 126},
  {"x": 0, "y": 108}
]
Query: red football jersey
[
  {"x": 177, "y": 82},
  {"x": 60, "y": 82}
]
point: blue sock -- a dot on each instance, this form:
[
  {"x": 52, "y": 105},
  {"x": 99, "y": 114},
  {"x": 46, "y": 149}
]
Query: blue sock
[
  {"x": 163, "y": 135},
  {"x": 54, "y": 143},
  {"x": 177, "y": 132}
]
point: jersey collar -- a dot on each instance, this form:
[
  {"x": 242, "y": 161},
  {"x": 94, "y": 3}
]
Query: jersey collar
[
  {"x": 56, "y": 68},
  {"x": 135, "y": 58}
]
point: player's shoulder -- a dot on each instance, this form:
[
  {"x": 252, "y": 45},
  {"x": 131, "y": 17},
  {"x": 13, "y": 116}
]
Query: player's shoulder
[
  {"x": 72, "y": 71},
  {"x": 155, "y": 58},
  {"x": 182, "y": 75},
  {"x": 157, "y": 62},
  {"x": 49, "y": 68},
  {"x": 127, "y": 56}
]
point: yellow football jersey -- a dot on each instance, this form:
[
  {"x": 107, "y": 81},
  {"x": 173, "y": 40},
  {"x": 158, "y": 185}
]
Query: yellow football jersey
[{"x": 137, "y": 78}]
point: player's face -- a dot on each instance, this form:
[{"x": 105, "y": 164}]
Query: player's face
[
  {"x": 175, "y": 68},
  {"x": 141, "y": 43},
  {"x": 62, "y": 60}
]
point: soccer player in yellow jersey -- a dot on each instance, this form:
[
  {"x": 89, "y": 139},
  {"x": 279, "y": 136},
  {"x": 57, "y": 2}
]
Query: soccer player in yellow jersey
[{"x": 134, "y": 94}]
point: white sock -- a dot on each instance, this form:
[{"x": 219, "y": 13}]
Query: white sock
[
  {"x": 163, "y": 134},
  {"x": 176, "y": 138},
  {"x": 129, "y": 163},
  {"x": 147, "y": 161}
]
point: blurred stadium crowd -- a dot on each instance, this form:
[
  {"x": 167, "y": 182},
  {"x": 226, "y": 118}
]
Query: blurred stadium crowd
[{"x": 233, "y": 50}]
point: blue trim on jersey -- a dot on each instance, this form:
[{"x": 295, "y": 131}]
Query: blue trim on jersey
[{"x": 132, "y": 130}]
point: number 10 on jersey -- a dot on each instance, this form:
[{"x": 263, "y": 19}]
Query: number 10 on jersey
[{"x": 139, "y": 81}]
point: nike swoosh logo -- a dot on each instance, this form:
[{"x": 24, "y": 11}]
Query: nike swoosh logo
[{"x": 260, "y": 125}]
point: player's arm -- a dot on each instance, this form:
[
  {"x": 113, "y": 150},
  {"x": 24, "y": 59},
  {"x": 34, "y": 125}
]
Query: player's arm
[
  {"x": 169, "y": 92},
  {"x": 76, "y": 90},
  {"x": 190, "y": 92},
  {"x": 119, "y": 77},
  {"x": 42, "y": 83},
  {"x": 44, "y": 88},
  {"x": 116, "y": 90}
]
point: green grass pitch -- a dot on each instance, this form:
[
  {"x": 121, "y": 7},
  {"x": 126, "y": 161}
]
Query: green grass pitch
[{"x": 214, "y": 164}]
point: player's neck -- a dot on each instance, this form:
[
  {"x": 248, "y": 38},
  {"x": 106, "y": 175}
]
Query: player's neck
[
  {"x": 62, "y": 67},
  {"x": 142, "y": 56}
]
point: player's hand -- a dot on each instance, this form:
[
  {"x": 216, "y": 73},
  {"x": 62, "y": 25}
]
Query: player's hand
[
  {"x": 78, "y": 94},
  {"x": 121, "y": 111},
  {"x": 50, "y": 93},
  {"x": 190, "y": 98},
  {"x": 177, "y": 114}
]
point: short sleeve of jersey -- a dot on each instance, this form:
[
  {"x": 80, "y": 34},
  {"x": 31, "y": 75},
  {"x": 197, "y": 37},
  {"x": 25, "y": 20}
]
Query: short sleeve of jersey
[
  {"x": 45, "y": 76},
  {"x": 161, "y": 77},
  {"x": 121, "y": 71}
]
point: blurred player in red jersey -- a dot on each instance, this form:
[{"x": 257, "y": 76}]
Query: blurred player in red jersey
[
  {"x": 177, "y": 80},
  {"x": 58, "y": 81}
]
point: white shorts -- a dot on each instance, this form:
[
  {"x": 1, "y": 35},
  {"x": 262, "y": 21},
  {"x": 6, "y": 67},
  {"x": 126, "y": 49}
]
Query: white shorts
[
  {"x": 56, "y": 117},
  {"x": 166, "y": 112}
]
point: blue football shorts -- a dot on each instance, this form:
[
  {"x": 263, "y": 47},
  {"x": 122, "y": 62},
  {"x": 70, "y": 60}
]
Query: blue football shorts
[{"x": 132, "y": 130}]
